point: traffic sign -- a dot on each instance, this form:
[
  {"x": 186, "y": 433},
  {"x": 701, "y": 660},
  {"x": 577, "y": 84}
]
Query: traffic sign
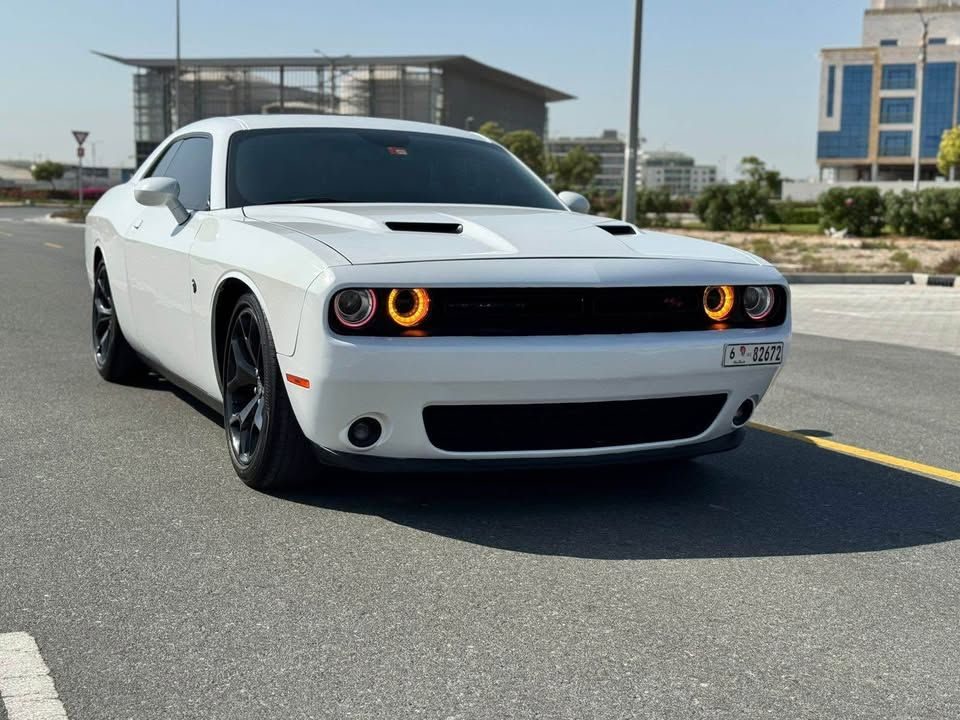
[
  {"x": 80, "y": 136},
  {"x": 80, "y": 152}
]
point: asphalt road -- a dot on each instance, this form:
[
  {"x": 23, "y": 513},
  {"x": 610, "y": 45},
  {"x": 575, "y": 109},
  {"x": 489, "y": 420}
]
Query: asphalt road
[{"x": 780, "y": 580}]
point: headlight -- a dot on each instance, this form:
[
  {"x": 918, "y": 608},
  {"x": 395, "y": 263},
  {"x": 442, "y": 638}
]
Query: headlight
[
  {"x": 355, "y": 308},
  {"x": 408, "y": 307},
  {"x": 718, "y": 301},
  {"x": 758, "y": 302}
]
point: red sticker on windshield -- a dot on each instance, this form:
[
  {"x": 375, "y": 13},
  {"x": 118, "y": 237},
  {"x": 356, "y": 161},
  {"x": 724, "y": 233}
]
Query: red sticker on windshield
[{"x": 396, "y": 150}]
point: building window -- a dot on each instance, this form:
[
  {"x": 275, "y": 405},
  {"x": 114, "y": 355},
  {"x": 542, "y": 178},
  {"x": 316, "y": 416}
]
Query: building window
[
  {"x": 889, "y": 42},
  {"x": 852, "y": 139},
  {"x": 831, "y": 88},
  {"x": 937, "y": 41},
  {"x": 896, "y": 143},
  {"x": 896, "y": 110},
  {"x": 899, "y": 77},
  {"x": 939, "y": 101}
]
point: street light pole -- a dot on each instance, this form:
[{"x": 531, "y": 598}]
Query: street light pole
[
  {"x": 176, "y": 77},
  {"x": 919, "y": 123},
  {"x": 629, "y": 205}
]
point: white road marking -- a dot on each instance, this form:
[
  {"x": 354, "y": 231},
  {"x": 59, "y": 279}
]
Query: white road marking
[
  {"x": 55, "y": 246},
  {"x": 25, "y": 684}
]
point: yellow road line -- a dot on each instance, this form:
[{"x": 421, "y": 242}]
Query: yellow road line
[
  {"x": 54, "y": 246},
  {"x": 873, "y": 456}
]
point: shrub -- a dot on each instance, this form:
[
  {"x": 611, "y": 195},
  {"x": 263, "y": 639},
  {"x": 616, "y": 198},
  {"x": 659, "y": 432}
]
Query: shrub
[
  {"x": 789, "y": 212},
  {"x": 938, "y": 213},
  {"x": 859, "y": 210},
  {"x": 900, "y": 213},
  {"x": 732, "y": 207},
  {"x": 950, "y": 265},
  {"x": 905, "y": 261},
  {"x": 932, "y": 213}
]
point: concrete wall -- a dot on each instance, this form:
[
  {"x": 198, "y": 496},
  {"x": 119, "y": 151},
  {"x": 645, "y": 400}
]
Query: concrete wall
[
  {"x": 904, "y": 25},
  {"x": 810, "y": 191}
]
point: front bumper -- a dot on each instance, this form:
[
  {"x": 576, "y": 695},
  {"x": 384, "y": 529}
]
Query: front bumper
[
  {"x": 393, "y": 379},
  {"x": 373, "y": 463}
]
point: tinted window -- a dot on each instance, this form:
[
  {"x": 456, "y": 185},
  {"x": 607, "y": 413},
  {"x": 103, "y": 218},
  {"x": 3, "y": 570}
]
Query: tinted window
[
  {"x": 160, "y": 169},
  {"x": 356, "y": 165},
  {"x": 191, "y": 168}
]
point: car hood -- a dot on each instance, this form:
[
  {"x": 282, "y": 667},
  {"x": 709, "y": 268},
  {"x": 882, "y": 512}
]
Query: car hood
[{"x": 362, "y": 234}]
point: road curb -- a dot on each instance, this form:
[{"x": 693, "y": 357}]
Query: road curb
[{"x": 872, "y": 279}]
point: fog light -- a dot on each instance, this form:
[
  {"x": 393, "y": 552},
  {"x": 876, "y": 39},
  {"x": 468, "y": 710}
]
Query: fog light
[
  {"x": 718, "y": 301},
  {"x": 743, "y": 413},
  {"x": 364, "y": 432}
]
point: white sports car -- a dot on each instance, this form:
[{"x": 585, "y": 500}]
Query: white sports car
[{"x": 377, "y": 294}]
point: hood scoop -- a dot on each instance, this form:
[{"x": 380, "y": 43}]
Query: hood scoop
[
  {"x": 618, "y": 229},
  {"x": 425, "y": 227}
]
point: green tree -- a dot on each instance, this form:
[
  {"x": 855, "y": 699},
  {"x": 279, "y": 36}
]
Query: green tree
[
  {"x": 492, "y": 130},
  {"x": 47, "y": 171},
  {"x": 858, "y": 210},
  {"x": 739, "y": 206},
  {"x": 527, "y": 146},
  {"x": 575, "y": 170},
  {"x": 949, "y": 154},
  {"x": 757, "y": 172},
  {"x": 653, "y": 201}
]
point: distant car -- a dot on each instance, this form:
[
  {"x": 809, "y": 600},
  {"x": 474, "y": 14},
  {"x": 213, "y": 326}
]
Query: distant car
[{"x": 385, "y": 295}]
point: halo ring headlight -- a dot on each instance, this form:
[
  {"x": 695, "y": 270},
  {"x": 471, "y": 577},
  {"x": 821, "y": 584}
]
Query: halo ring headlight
[
  {"x": 354, "y": 308},
  {"x": 758, "y": 302},
  {"x": 408, "y": 307},
  {"x": 718, "y": 301}
]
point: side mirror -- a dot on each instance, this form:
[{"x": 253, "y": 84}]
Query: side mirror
[
  {"x": 157, "y": 191},
  {"x": 575, "y": 201}
]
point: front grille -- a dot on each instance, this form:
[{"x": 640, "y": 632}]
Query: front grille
[
  {"x": 566, "y": 426},
  {"x": 561, "y": 311}
]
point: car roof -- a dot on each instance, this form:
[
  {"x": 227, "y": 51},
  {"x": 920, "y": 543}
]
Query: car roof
[{"x": 234, "y": 123}]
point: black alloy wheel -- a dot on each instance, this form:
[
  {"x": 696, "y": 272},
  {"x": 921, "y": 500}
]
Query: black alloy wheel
[
  {"x": 267, "y": 448},
  {"x": 247, "y": 413},
  {"x": 103, "y": 316},
  {"x": 115, "y": 359}
]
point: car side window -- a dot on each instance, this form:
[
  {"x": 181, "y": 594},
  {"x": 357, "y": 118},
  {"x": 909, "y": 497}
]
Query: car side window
[
  {"x": 190, "y": 166},
  {"x": 160, "y": 169}
]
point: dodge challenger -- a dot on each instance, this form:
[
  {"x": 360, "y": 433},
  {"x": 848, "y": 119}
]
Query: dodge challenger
[{"x": 377, "y": 294}]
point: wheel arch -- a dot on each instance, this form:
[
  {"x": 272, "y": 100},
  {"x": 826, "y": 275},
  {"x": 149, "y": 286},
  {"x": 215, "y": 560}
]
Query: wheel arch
[{"x": 230, "y": 289}]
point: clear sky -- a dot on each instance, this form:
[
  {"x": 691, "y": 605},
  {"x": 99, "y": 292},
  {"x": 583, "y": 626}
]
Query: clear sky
[{"x": 721, "y": 78}]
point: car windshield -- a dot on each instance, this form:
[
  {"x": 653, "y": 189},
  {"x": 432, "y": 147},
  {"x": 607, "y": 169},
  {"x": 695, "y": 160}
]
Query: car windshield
[{"x": 354, "y": 165}]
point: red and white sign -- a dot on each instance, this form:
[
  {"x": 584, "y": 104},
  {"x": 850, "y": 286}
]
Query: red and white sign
[{"x": 80, "y": 136}]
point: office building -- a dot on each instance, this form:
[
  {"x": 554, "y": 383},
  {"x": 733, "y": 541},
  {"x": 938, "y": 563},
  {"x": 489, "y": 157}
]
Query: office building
[
  {"x": 446, "y": 89},
  {"x": 881, "y": 103}
]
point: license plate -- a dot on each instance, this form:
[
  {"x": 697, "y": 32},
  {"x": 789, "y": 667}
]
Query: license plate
[{"x": 752, "y": 354}]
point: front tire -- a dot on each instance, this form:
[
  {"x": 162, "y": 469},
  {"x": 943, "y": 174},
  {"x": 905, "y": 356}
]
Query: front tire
[
  {"x": 115, "y": 359},
  {"x": 267, "y": 448}
]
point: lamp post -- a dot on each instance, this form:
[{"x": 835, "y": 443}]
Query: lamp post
[
  {"x": 176, "y": 76},
  {"x": 919, "y": 120},
  {"x": 629, "y": 205}
]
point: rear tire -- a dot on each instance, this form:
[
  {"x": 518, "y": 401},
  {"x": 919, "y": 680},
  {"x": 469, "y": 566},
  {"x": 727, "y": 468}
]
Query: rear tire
[
  {"x": 115, "y": 359},
  {"x": 267, "y": 448}
]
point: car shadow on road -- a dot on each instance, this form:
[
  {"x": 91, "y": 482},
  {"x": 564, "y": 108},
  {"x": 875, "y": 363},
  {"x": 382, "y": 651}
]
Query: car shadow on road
[{"x": 774, "y": 496}]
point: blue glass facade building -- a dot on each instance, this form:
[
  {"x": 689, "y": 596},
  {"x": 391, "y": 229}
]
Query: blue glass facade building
[{"x": 877, "y": 114}]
